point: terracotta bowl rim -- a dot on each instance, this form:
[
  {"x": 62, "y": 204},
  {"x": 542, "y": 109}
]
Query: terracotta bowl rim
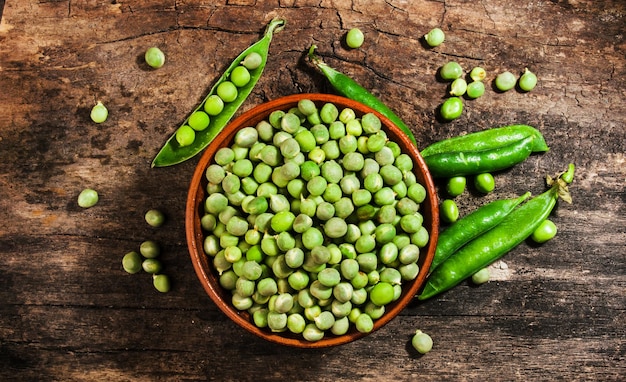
[{"x": 195, "y": 235}]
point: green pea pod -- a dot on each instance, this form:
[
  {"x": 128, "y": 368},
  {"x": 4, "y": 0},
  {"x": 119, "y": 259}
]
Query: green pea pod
[
  {"x": 495, "y": 243},
  {"x": 463, "y": 163},
  {"x": 471, "y": 226},
  {"x": 349, "y": 88},
  {"x": 487, "y": 140},
  {"x": 172, "y": 153}
]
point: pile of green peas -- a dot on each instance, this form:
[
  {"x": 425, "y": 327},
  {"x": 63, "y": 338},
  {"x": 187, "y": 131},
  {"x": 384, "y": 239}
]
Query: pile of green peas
[
  {"x": 312, "y": 220},
  {"x": 226, "y": 92},
  {"x": 147, "y": 258}
]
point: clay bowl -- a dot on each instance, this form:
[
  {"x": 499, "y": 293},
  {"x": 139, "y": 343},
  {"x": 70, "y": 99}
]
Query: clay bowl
[{"x": 203, "y": 264}]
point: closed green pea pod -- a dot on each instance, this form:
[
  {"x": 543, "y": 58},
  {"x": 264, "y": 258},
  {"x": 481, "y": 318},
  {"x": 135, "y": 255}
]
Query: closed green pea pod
[
  {"x": 172, "y": 153},
  {"x": 478, "y": 253},
  {"x": 471, "y": 226},
  {"x": 487, "y": 140},
  {"x": 349, "y": 88},
  {"x": 461, "y": 163}
]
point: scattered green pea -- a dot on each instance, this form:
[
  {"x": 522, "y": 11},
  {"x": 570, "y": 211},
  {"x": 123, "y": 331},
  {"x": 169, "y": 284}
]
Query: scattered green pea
[
  {"x": 435, "y": 37},
  {"x": 456, "y": 185},
  {"x": 484, "y": 183},
  {"x": 481, "y": 276},
  {"x": 546, "y": 231},
  {"x": 161, "y": 283},
  {"x": 478, "y": 74},
  {"x": 451, "y": 71},
  {"x": 154, "y": 57},
  {"x": 505, "y": 81},
  {"x": 451, "y": 108},
  {"x": 88, "y": 198},
  {"x": 449, "y": 211},
  {"x": 99, "y": 113},
  {"x": 527, "y": 81},
  {"x": 475, "y": 89},
  {"x": 422, "y": 342},
  {"x": 131, "y": 262},
  {"x": 149, "y": 249},
  {"x": 458, "y": 87},
  {"x": 152, "y": 266},
  {"x": 354, "y": 38},
  {"x": 154, "y": 218}
]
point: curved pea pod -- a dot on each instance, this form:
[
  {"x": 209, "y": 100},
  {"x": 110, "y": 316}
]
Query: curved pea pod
[
  {"x": 495, "y": 243},
  {"x": 487, "y": 140},
  {"x": 348, "y": 87},
  {"x": 463, "y": 163},
  {"x": 472, "y": 226},
  {"x": 172, "y": 153}
]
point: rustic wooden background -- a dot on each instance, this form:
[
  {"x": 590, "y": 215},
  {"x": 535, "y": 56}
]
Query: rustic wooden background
[{"x": 68, "y": 312}]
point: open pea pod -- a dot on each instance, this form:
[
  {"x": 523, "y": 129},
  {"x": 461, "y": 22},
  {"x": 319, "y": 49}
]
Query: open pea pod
[{"x": 172, "y": 152}]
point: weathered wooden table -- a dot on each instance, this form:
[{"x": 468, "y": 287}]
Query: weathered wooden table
[{"x": 68, "y": 311}]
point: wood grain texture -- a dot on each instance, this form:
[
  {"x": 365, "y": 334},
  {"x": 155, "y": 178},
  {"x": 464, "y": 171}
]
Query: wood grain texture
[{"x": 68, "y": 312}]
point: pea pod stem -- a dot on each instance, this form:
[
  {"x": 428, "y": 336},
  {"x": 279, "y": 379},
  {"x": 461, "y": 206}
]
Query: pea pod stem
[
  {"x": 472, "y": 226},
  {"x": 495, "y": 243},
  {"x": 462, "y": 163},
  {"x": 349, "y": 88},
  {"x": 487, "y": 140},
  {"x": 172, "y": 153}
]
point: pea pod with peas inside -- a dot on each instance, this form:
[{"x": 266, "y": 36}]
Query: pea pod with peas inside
[
  {"x": 472, "y": 226},
  {"x": 349, "y": 88},
  {"x": 232, "y": 89},
  {"x": 483, "y": 152},
  {"x": 483, "y": 250}
]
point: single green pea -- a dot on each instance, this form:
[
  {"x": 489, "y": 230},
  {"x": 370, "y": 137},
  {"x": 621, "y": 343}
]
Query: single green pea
[
  {"x": 161, "y": 283},
  {"x": 240, "y": 76},
  {"x": 252, "y": 60},
  {"x": 329, "y": 113},
  {"x": 312, "y": 238},
  {"x": 154, "y": 57},
  {"x": 199, "y": 120},
  {"x": 422, "y": 342},
  {"x": 99, "y": 113},
  {"x": 451, "y": 108},
  {"x": 131, "y": 262},
  {"x": 364, "y": 323},
  {"x": 527, "y": 81},
  {"x": 484, "y": 183},
  {"x": 481, "y": 276},
  {"x": 312, "y": 333},
  {"x": 478, "y": 74},
  {"x": 185, "y": 135},
  {"x": 152, "y": 266},
  {"x": 354, "y": 38},
  {"x": 88, "y": 198},
  {"x": 224, "y": 156},
  {"x": 546, "y": 231},
  {"x": 475, "y": 89},
  {"x": 381, "y": 294},
  {"x": 505, "y": 81},
  {"x": 451, "y": 71},
  {"x": 458, "y": 87},
  {"x": 434, "y": 37},
  {"x": 449, "y": 211},
  {"x": 149, "y": 249},
  {"x": 456, "y": 186},
  {"x": 154, "y": 218},
  {"x": 213, "y": 105},
  {"x": 227, "y": 91}
]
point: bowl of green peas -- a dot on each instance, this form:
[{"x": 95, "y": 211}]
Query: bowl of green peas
[{"x": 311, "y": 220}]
